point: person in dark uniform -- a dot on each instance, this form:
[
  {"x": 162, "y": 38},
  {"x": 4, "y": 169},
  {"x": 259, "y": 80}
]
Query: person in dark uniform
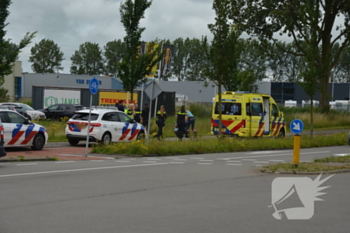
[
  {"x": 120, "y": 105},
  {"x": 182, "y": 118},
  {"x": 144, "y": 115},
  {"x": 161, "y": 117},
  {"x": 137, "y": 115}
]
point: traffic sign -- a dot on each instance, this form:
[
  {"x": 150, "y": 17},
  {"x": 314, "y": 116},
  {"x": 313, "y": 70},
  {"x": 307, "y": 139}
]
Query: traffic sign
[
  {"x": 296, "y": 126},
  {"x": 152, "y": 90},
  {"x": 93, "y": 86}
]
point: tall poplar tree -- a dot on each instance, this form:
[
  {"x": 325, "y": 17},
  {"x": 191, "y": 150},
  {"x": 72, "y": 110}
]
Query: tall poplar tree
[{"x": 135, "y": 66}]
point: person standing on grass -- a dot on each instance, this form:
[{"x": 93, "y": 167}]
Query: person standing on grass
[
  {"x": 161, "y": 117},
  {"x": 144, "y": 115},
  {"x": 190, "y": 124},
  {"x": 182, "y": 118},
  {"x": 137, "y": 115}
]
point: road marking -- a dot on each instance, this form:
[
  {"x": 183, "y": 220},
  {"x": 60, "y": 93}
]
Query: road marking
[
  {"x": 265, "y": 152},
  {"x": 264, "y": 156},
  {"x": 180, "y": 159},
  {"x": 204, "y": 163},
  {"x": 122, "y": 161},
  {"x": 234, "y": 164},
  {"x": 65, "y": 162},
  {"x": 177, "y": 162},
  {"x": 224, "y": 158},
  {"x": 196, "y": 158},
  {"x": 150, "y": 161},
  {"x": 248, "y": 159},
  {"x": 25, "y": 164},
  {"x": 81, "y": 169},
  {"x": 206, "y": 160}
]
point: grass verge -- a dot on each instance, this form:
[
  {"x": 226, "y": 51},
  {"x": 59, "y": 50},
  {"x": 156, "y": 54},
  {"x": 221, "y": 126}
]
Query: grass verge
[
  {"x": 214, "y": 145},
  {"x": 328, "y": 164}
]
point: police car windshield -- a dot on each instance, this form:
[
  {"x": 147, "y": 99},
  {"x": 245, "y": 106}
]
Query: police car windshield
[{"x": 84, "y": 116}]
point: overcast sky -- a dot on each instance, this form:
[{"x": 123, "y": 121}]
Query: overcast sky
[{"x": 70, "y": 23}]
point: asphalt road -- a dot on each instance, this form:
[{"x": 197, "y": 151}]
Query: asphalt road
[{"x": 195, "y": 193}]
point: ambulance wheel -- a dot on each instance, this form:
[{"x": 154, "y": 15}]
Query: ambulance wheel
[
  {"x": 141, "y": 136},
  {"x": 106, "y": 138},
  {"x": 38, "y": 142},
  {"x": 73, "y": 142},
  {"x": 281, "y": 134}
]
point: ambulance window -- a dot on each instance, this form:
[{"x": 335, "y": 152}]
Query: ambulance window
[
  {"x": 229, "y": 108},
  {"x": 257, "y": 109},
  {"x": 274, "y": 110}
]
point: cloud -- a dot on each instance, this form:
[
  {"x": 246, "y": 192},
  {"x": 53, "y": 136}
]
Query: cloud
[{"x": 71, "y": 23}]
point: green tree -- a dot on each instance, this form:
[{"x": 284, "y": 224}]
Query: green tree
[
  {"x": 222, "y": 50},
  {"x": 134, "y": 66},
  {"x": 46, "y": 57},
  {"x": 296, "y": 18},
  {"x": 87, "y": 60},
  {"x": 8, "y": 51},
  {"x": 113, "y": 52},
  {"x": 181, "y": 57}
]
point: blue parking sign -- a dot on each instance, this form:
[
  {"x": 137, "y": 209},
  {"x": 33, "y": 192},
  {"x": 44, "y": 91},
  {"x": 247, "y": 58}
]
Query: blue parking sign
[{"x": 93, "y": 86}]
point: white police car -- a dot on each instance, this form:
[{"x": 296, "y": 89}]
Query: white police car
[
  {"x": 18, "y": 131},
  {"x": 106, "y": 125}
]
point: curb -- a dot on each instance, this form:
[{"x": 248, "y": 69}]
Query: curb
[{"x": 307, "y": 173}]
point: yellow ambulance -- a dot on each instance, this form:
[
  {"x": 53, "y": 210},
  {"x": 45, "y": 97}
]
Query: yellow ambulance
[{"x": 247, "y": 115}]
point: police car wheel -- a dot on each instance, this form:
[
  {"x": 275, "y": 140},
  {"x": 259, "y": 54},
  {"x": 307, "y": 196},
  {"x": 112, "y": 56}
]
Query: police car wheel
[
  {"x": 141, "y": 136},
  {"x": 106, "y": 138},
  {"x": 73, "y": 142},
  {"x": 38, "y": 142}
]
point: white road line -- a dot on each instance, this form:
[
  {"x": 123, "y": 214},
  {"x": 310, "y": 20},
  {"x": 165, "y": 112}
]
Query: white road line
[
  {"x": 196, "y": 158},
  {"x": 224, "y": 158},
  {"x": 204, "y": 163},
  {"x": 265, "y": 152},
  {"x": 234, "y": 164},
  {"x": 24, "y": 164},
  {"x": 275, "y": 155},
  {"x": 248, "y": 159},
  {"x": 122, "y": 161},
  {"x": 177, "y": 162},
  {"x": 81, "y": 169},
  {"x": 180, "y": 159},
  {"x": 150, "y": 161},
  {"x": 65, "y": 162},
  {"x": 208, "y": 160}
]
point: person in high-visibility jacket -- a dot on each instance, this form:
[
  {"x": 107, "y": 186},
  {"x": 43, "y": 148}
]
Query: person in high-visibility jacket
[
  {"x": 182, "y": 118},
  {"x": 138, "y": 113},
  {"x": 161, "y": 115},
  {"x": 130, "y": 111}
]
